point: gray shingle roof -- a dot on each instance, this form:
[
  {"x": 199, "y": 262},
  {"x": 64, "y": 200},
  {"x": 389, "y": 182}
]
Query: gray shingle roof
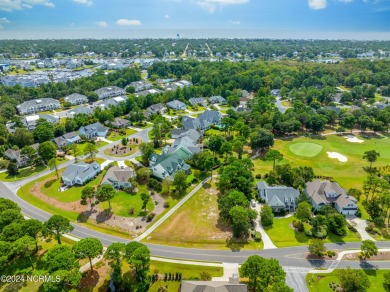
[
  {"x": 81, "y": 169},
  {"x": 118, "y": 174}
]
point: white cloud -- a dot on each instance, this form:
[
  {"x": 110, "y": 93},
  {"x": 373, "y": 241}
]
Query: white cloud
[
  {"x": 235, "y": 22},
  {"x": 212, "y": 5},
  {"x": 128, "y": 22},
  {"x": 345, "y": 1},
  {"x": 4, "y": 20},
  {"x": 87, "y": 3},
  {"x": 11, "y": 5},
  {"x": 317, "y": 4},
  {"x": 167, "y": 16},
  {"x": 101, "y": 23}
]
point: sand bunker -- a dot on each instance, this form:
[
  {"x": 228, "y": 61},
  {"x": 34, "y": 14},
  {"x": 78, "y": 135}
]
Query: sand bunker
[
  {"x": 338, "y": 156},
  {"x": 353, "y": 139}
]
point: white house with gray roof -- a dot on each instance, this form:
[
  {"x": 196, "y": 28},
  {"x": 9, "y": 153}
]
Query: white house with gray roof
[
  {"x": 140, "y": 85},
  {"x": 119, "y": 177},
  {"x": 198, "y": 101},
  {"x": 67, "y": 139},
  {"x": 322, "y": 193},
  {"x": 80, "y": 110},
  {"x": 80, "y": 173},
  {"x": 217, "y": 99},
  {"x": 176, "y": 105},
  {"x": 93, "y": 130},
  {"x": 110, "y": 91},
  {"x": 76, "y": 98},
  {"x": 37, "y": 105},
  {"x": 115, "y": 101},
  {"x": 278, "y": 197},
  {"x": 31, "y": 121}
]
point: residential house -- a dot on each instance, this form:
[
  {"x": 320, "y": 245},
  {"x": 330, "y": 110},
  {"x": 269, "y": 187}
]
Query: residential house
[
  {"x": 154, "y": 109},
  {"x": 326, "y": 192},
  {"x": 16, "y": 155},
  {"x": 148, "y": 91},
  {"x": 119, "y": 123},
  {"x": 195, "y": 124},
  {"x": 217, "y": 100},
  {"x": 211, "y": 116},
  {"x": 111, "y": 91},
  {"x": 193, "y": 134},
  {"x": 80, "y": 173},
  {"x": 175, "y": 85},
  {"x": 166, "y": 165},
  {"x": 176, "y": 105},
  {"x": 80, "y": 110},
  {"x": 115, "y": 101},
  {"x": 183, "y": 142},
  {"x": 119, "y": 177},
  {"x": 198, "y": 101},
  {"x": 67, "y": 139},
  {"x": 93, "y": 130},
  {"x": 140, "y": 85},
  {"x": 37, "y": 105},
  {"x": 76, "y": 98},
  {"x": 278, "y": 197},
  {"x": 275, "y": 92},
  {"x": 31, "y": 121}
]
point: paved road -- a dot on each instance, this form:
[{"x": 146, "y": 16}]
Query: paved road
[{"x": 280, "y": 106}]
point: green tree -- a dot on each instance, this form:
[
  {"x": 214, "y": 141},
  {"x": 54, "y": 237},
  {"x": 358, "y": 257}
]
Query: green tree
[
  {"x": 238, "y": 147},
  {"x": 241, "y": 220},
  {"x": 60, "y": 257},
  {"x": 230, "y": 200},
  {"x": 140, "y": 260},
  {"x": 75, "y": 150},
  {"x": 57, "y": 225},
  {"x": 24, "y": 246},
  {"x": 273, "y": 155},
  {"x": 386, "y": 281},
  {"x": 266, "y": 215},
  {"x": 32, "y": 227},
  {"x": 215, "y": 143},
  {"x": 147, "y": 149},
  {"x": 145, "y": 200},
  {"x": 180, "y": 182},
  {"x": 263, "y": 274},
  {"x": 91, "y": 150},
  {"x": 68, "y": 281},
  {"x": 261, "y": 138},
  {"x": 166, "y": 185},
  {"x": 88, "y": 193},
  {"x": 52, "y": 163},
  {"x": 44, "y": 131},
  {"x": 12, "y": 168},
  {"x": 303, "y": 212},
  {"x": 88, "y": 248},
  {"x": 115, "y": 253},
  {"x": 10, "y": 216},
  {"x": 368, "y": 249},
  {"x": 371, "y": 156},
  {"x": 31, "y": 154},
  {"x": 353, "y": 280},
  {"x": 124, "y": 141},
  {"x": 316, "y": 247},
  {"x": 47, "y": 150},
  {"x": 105, "y": 193}
]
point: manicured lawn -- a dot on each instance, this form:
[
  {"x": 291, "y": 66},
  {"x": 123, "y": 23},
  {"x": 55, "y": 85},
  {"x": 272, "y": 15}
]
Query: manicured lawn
[
  {"x": 97, "y": 143},
  {"x": 282, "y": 235},
  {"x": 26, "y": 172},
  {"x": 23, "y": 173},
  {"x": 306, "y": 149},
  {"x": 197, "y": 224},
  {"x": 348, "y": 174},
  {"x": 122, "y": 202},
  {"x": 115, "y": 136},
  {"x": 320, "y": 282},
  {"x": 50, "y": 189},
  {"x": 188, "y": 272}
]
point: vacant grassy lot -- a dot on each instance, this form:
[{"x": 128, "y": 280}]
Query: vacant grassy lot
[
  {"x": 188, "y": 272},
  {"x": 197, "y": 224},
  {"x": 282, "y": 235},
  {"x": 123, "y": 202},
  {"x": 320, "y": 282},
  {"x": 348, "y": 174},
  {"x": 115, "y": 136}
]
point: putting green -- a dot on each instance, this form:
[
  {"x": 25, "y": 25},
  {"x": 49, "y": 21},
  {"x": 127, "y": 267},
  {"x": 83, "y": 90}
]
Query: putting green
[{"x": 306, "y": 149}]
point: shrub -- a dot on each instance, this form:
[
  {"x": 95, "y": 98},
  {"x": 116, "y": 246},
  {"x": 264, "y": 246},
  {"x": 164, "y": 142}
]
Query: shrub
[
  {"x": 150, "y": 217},
  {"x": 370, "y": 227},
  {"x": 155, "y": 184},
  {"x": 308, "y": 233},
  {"x": 258, "y": 176},
  {"x": 167, "y": 204},
  {"x": 131, "y": 211},
  {"x": 298, "y": 225},
  {"x": 257, "y": 236}
]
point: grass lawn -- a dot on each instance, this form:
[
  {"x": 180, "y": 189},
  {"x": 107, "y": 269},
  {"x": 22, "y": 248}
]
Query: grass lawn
[
  {"x": 320, "y": 282},
  {"x": 348, "y": 174},
  {"x": 293, "y": 238},
  {"x": 122, "y": 202},
  {"x": 115, "y": 136},
  {"x": 196, "y": 224},
  {"x": 188, "y": 272},
  {"x": 305, "y": 149},
  {"x": 97, "y": 143},
  {"x": 50, "y": 189}
]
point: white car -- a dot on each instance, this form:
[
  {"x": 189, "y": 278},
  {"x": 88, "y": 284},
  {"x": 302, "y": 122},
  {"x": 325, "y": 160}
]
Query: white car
[{"x": 253, "y": 203}]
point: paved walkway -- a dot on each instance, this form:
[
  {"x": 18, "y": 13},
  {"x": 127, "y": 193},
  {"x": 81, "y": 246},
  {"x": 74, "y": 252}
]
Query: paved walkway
[
  {"x": 103, "y": 139},
  {"x": 360, "y": 226},
  {"x": 228, "y": 270},
  {"x": 105, "y": 163},
  {"x": 121, "y": 163},
  {"x": 268, "y": 244}
]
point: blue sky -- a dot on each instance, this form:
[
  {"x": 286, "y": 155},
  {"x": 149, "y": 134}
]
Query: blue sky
[{"x": 109, "y": 15}]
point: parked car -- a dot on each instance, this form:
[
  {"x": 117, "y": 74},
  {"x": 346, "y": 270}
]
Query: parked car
[{"x": 253, "y": 203}]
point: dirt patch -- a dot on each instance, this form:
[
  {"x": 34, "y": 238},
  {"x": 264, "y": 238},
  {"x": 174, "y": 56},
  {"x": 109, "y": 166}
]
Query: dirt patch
[
  {"x": 99, "y": 278},
  {"x": 104, "y": 218}
]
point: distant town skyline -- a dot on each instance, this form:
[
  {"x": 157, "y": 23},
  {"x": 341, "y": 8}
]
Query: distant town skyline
[{"x": 345, "y": 19}]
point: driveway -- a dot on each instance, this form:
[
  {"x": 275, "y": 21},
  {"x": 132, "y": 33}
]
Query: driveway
[
  {"x": 268, "y": 244},
  {"x": 360, "y": 226}
]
